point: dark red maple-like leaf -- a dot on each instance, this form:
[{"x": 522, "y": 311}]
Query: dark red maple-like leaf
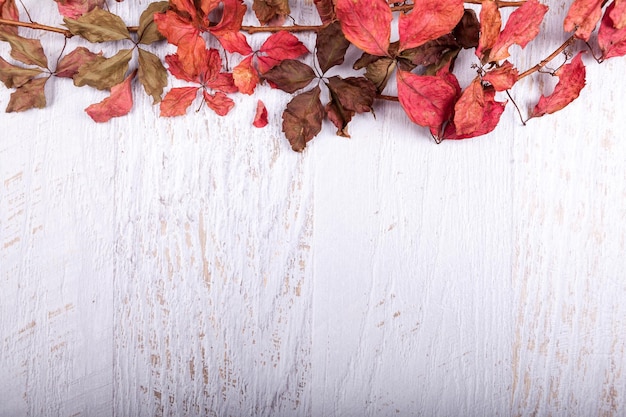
[
  {"x": 428, "y": 20},
  {"x": 582, "y": 17},
  {"x": 492, "y": 110},
  {"x": 366, "y": 23},
  {"x": 571, "y": 82},
  {"x": 119, "y": 103},
  {"x": 612, "y": 41},
  {"x": 260, "y": 116},
  {"x": 521, "y": 27}
]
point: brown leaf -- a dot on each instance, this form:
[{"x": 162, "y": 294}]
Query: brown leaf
[
  {"x": 148, "y": 31},
  {"x": 28, "y": 96},
  {"x": 68, "y": 65},
  {"x": 152, "y": 75},
  {"x": 490, "y": 25},
  {"x": 290, "y": 75},
  {"x": 432, "y": 52},
  {"x": 338, "y": 115},
  {"x": 467, "y": 31},
  {"x": 27, "y": 51},
  {"x": 104, "y": 73},
  {"x": 366, "y": 23},
  {"x": 271, "y": 11},
  {"x": 326, "y": 10},
  {"x": 428, "y": 20},
  {"x": 521, "y": 28},
  {"x": 330, "y": 46},
  {"x": 354, "y": 93},
  {"x": 13, "y": 76},
  {"x": 98, "y": 26},
  {"x": 119, "y": 103},
  {"x": 582, "y": 16},
  {"x": 9, "y": 11},
  {"x": 503, "y": 77},
  {"x": 302, "y": 119}
]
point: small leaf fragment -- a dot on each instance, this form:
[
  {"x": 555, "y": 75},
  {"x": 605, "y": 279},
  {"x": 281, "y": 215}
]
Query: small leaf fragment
[
  {"x": 245, "y": 76},
  {"x": 28, "y": 96},
  {"x": 503, "y": 77},
  {"x": 69, "y": 65},
  {"x": 177, "y": 100},
  {"x": 148, "y": 32},
  {"x": 104, "y": 73},
  {"x": 260, "y": 116},
  {"x": 13, "y": 76},
  {"x": 290, "y": 75},
  {"x": 98, "y": 26},
  {"x": 612, "y": 41},
  {"x": 302, "y": 119},
  {"x": 331, "y": 46},
  {"x": 119, "y": 103},
  {"x": 366, "y": 23},
  {"x": 152, "y": 74}
]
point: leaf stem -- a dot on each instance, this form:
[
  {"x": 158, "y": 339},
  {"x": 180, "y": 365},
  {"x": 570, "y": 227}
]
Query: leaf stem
[
  {"x": 273, "y": 29},
  {"x": 37, "y": 26},
  {"x": 550, "y": 57}
]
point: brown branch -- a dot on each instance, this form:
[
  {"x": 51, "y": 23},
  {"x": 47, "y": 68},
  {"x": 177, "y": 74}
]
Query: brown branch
[
  {"x": 388, "y": 98},
  {"x": 544, "y": 62},
  {"x": 273, "y": 29},
  {"x": 37, "y": 26}
]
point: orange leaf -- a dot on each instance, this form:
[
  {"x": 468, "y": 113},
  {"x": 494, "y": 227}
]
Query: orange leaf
[
  {"x": 490, "y": 25},
  {"x": 219, "y": 102},
  {"x": 428, "y": 20},
  {"x": 74, "y": 9},
  {"x": 521, "y": 28},
  {"x": 177, "y": 100},
  {"x": 176, "y": 29},
  {"x": 618, "y": 14},
  {"x": 245, "y": 76},
  {"x": 260, "y": 117},
  {"x": 366, "y": 23},
  {"x": 283, "y": 45},
  {"x": 489, "y": 118},
  {"x": 468, "y": 110},
  {"x": 234, "y": 42},
  {"x": 503, "y": 77},
  {"x": 582, "y": 17},
  {"x": 571, "y": 82},
  {"x": 117, "y": 104}
]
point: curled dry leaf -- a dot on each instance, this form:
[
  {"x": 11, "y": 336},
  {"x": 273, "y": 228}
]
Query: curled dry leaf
[
  {"x": 571, "y": 82},
  {"x": 612, "y": 41},
  {"x": 582, "y": 17},
  {"x": 119, "y": 103},
  {"x": 503, "y": 77},
  {"x": 366, "y": 23},
  {"x": 469, "y": 109},
  {"x": 428, "y": 20},
  {"x": 260, "y": 116},
  {"x": 147, "y": 32},
  {"x": 467, "y": 31},
  {"x": 302, "y": 119},
  {"x": 490, "y": 25}
]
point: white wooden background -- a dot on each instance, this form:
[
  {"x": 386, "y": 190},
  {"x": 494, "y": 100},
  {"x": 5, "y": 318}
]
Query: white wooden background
[{"x": 197, "y": 266}]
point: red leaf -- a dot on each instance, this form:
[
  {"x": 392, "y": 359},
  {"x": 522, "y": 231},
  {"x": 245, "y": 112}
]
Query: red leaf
[
  {"x": 469, "y": 109},
  {"x": 582, "y": 17},
  {"x": 428, "y": 20},
  {"x": 9, "y": 11},
  {"x": 503, "y": 77},
  {"x": 219, "y": 102},
  {"x": 176, "y": 29},
  {"x": 428, "y": 100},
  {"x": 260, "y": 117},
  {"x": 234, "y": 42},
  {"x": 224, "y": 81},
  {"x": 490, "y": 117},
  {"x": 283, "y": 45},
  {"x": 612, "y": 41},
  {"x": 366, "y": 23},
  {"x": 521, "y": 28},
  {"x": 74, "y": 9},
  {"x": 618, "y": 14},
  {"x": 68, "y": 65},
  {"x": 232, "y": 16},
  {"x": 175, "y": 67},
  {"x": 177, "y": 100},
  {"x": 265, "y": 63},
  {"x": 490, "y": 25},
  {"x": 245, "y": 76},
  {"x": 117, "y": 104},
  {"x": 571, "y": 82}
]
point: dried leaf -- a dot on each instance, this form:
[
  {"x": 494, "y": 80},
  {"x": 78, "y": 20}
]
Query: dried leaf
[
  {"x": 104, "y": 73},
  {"x": 224, "y": 81},
  {"x": 326, "y": 10},
  {"x": 618, "y": 14},
  {"x": 28, "y": 96},
  {"x": 175, "y": 29},
  {"x": 428, "y": 100},
  {"x": 219, "y": 102},
  {"x": 27, "y": 51},
  {"x": 245, "y": 76},
  {"x": 9, "y": 11},
  {"x": 582, "y": 16},
  {"x": 148, "y": 32},
  {"x": 265, "y": 63},
  {"x": 232, "y": 16},
  {"x": 152, "y": 74},
  {"x": 503, "y": 77},
  {"x": 428, "y": 20},
  {"x": 69, "y": 65},
  {"x": 432, "y": 52},
  {"x": 119, "y": 103},
  {"x": 338, "y": 115},
  {"x": 271, "y": 12},
  {"x": 302, "y": 119},
  {"x": 234, "y": 42},
  {"x": 521, "y": 28},
  {"x": 74, "y": 9},
  {"x": 379, "y": 72},
  {"x": 469, "y": 108},
  {"x": 490, "y": 25},
  {"x": 177, "y": 100},
  {"x": 467, "y": 31},
  {"x": 612, "y": 41},
  {"x": 354, "y": 93},
  {"x": 14, "y": 77},
  {"x": 260, "y": 116},
  {"x": 366, "y": 23},
  {"x": 98, "y": 26},
  {"x": 490, "y": 117},
  {"x": 290, "y": 75},
  {"x": 571, "y": 82},
  {"x": 175, "y": 67},
  {"x": 331, "y": 46},
  {"x": 283, "y": 45}
]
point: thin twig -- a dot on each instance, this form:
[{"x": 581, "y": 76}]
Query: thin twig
[
  {"x": 388, "y": 98},
  {"x": 37, "y": 26},
  {"x": 544, "y": 62},
  {"x": 273, "y": 29}
]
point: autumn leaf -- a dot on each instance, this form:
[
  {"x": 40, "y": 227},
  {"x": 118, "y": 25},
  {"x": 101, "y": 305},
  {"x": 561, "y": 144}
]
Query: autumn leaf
[
  {"x": 147, "y": 32},
  {"x": 152, "y": 74},
  {"x": 354, "y": 93},
  {"x": 290, "y": 75},
  {"x": 492, "y": 110},
  {"x": 13, "y": 76},
  {"x": 378, "y": 70},
  {"x": 618, "y": 14},
  {"x": 432, "y": 52},
  {"x": 467, "y": 31},
  {"x": 245, "y": 76},
  {"x": 232, "y": 16},
  {"x": 330, "y": 46},
  {"x": 283, "y": 45},
  {"x": 612, "y": 41},
  {"x": 503, "y": 77},
  {"x": 69, "y": 65},
  {"x": 271, "y": 12},
  {"x": 98, "y": 26},
  {"x": 119, "y": 103},
  {"x": 74, "y": 9},
  {"x": 521, "y": 28},
  {"x": 469, "y": 108},
  {"x": 490, "y": 25},
  {"x": 302, "y": 119},
  {"x": 571, "y": 82},
  {"x": 27, "y": 51},
  {"x": 260, "y": 116},
  {"x": 104, "y": 73},
  {"x": 326, "y": 10},
  {"x": 428, "y": 100},
  {"x": 234, "y": 42},
  {"x": 428, "y": 20},
  {"x": 219, "y": 102},
  {"x": 366, "y": 23},
  {"x": 177, "y": 100},
  {"x": 582, "y": 17},
  {"x": 175, "y": 28},
  {"x": 28, "y": 96},
  {"x": 9, "y": 11}
]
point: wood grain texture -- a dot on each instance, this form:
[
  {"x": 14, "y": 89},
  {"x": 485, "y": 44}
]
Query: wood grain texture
[{"x": 195, "y": 266}]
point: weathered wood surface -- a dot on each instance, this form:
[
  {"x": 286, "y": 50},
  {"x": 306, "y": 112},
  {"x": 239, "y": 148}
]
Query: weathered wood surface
[{"x": 196, "y": 266}]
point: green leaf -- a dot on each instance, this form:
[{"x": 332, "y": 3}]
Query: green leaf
[
  {"x": 290, "y": 75},
  {"x": 13, "y": 76},
  {"x": 104, "y": 73},
  {"x": 152, "y": 74},
  {"x": 28, "y": 96},
  {"x": 147, "y": 31},
  {"x": 302, "y": 119},
  {"x": 98, "y": 26},
  {"x": 28, "y": 51}
]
